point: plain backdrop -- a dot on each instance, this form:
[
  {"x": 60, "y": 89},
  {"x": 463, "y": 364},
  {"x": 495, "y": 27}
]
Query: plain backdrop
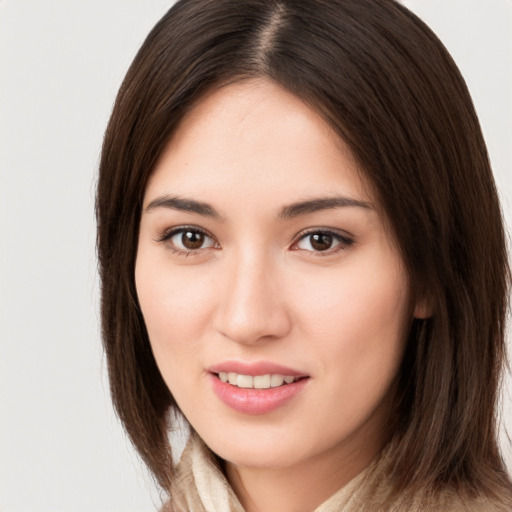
[{"x": 62, "y": 449}]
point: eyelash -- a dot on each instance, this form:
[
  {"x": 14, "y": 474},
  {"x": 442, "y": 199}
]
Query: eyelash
[
  {"x": 170, "y": 233},
  {"x": 344, "y": 241}
]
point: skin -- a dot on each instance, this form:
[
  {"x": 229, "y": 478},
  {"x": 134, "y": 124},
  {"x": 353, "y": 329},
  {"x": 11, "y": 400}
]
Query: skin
[{"x": 256, "y": 288}]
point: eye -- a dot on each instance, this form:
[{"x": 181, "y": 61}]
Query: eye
[
  {"x": 187, "y": 240},
  {"x": 323, "y": 241}
]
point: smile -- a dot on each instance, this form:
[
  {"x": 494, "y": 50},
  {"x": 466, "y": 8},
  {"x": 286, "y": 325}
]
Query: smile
[
  {"x": 245, "y": 397},
  {"x": 256, "y": 381}
]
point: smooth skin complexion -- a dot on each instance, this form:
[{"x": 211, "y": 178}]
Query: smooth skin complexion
[{"x": 260, "y": 245}]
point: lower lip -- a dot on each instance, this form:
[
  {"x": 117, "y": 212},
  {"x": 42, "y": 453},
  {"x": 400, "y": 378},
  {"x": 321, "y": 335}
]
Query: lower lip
[{"x": 256, "y": 401}]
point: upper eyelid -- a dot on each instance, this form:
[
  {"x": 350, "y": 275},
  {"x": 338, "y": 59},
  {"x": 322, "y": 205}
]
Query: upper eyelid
[
  {"x": 170, "y": 232},
  {"x": 332, "y": 231},
  {"x": 344, "y": 241},
  {"x": 167, "y": 234}
]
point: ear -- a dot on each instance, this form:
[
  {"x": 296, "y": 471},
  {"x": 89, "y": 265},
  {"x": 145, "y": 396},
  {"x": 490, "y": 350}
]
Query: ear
[{"x": 423, "y": 308}]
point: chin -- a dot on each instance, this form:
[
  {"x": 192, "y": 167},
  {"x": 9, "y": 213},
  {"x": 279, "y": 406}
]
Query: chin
[
  {"x": 258, "y": 457},
  {"x": 254, "y": 447}
]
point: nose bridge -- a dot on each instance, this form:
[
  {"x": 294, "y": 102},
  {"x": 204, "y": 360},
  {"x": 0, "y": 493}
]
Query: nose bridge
[{"x": 251, "y": 305}]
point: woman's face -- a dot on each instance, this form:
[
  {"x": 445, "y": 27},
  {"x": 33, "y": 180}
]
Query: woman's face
[{"x": 263, "y": 260}]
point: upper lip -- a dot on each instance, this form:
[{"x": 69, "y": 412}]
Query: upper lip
[{"x": 255, "y": 368}]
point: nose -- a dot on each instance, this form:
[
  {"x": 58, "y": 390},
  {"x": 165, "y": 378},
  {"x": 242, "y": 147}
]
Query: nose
[{"x": 251, "y": 301}]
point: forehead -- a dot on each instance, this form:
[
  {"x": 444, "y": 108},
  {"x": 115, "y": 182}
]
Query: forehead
[{"x": 255, "y": 137}]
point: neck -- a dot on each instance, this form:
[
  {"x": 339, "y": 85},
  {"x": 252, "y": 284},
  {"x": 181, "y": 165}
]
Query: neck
[{"x": 301, "y": 487}]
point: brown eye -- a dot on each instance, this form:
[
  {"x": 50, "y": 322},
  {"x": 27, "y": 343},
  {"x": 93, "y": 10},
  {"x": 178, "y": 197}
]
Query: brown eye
[
  {"x": 321, "y": 241},
  {"x": 192, "y": 239},
  {"x": 187, "y": 240}
]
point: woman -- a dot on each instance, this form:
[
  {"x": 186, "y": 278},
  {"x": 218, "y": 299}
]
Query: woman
[{"x": 302, "y": 254}]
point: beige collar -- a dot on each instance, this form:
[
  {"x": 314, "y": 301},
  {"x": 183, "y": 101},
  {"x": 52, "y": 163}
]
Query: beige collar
[{"x": 199, "y": 485}]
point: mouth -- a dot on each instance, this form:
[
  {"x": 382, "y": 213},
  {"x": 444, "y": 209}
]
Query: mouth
[
  {"x": 256, "y": 388},
  {"x": 267, "y": 381}
]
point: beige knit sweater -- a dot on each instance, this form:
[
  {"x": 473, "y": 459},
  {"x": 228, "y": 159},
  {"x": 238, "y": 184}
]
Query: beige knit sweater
[{"x": 200, "y": 486}]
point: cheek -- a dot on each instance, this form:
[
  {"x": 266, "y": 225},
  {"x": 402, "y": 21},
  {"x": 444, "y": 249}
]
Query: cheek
[
  {"x": 175, "y": 311},
  {"x": 354, "y": 301},
  {"x": 356, "y": 330},
  {"x": 358, "y": 321}
]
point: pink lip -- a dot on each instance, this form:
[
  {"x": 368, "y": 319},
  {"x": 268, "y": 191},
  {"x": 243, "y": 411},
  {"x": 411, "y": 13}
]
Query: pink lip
[
  {"x": 255, "y": 401},
  {"x": 257, "y": 368}
]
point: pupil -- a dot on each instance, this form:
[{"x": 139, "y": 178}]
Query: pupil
[
  {"x": 321, "y": 241},
  {"x": 192, "y": 239}
]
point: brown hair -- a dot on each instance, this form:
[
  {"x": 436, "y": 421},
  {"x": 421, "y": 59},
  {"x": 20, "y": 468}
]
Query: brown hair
[{"x": 389, "y": 88}]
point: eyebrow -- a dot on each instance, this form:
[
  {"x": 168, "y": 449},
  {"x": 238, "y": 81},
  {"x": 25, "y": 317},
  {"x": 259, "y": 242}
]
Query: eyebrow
[
  {"x": 184, "y": 205},
  {"x": 319, "y": 204},
  {"x": 287, "y": 212}
]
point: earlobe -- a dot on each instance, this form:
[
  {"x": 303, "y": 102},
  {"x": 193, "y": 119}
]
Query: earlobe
[{"x": 423, "y": 308}]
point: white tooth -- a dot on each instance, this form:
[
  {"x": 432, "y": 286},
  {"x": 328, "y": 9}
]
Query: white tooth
[
  {"x": 289, "y": 379},
  {"x": 262, "y": 381},
  {"x": 223, "y": 376},
  {"x": 276, "y": 380},
  {"x": 244, "y": 381},
  {"x": 232, "y": 378}
]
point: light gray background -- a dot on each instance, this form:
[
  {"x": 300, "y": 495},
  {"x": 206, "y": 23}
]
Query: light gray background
[{"x": 61, "y": 63}]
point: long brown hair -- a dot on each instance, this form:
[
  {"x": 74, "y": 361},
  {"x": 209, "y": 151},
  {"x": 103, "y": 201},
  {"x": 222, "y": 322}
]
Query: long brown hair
[{"x": 389, "y": 88}]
